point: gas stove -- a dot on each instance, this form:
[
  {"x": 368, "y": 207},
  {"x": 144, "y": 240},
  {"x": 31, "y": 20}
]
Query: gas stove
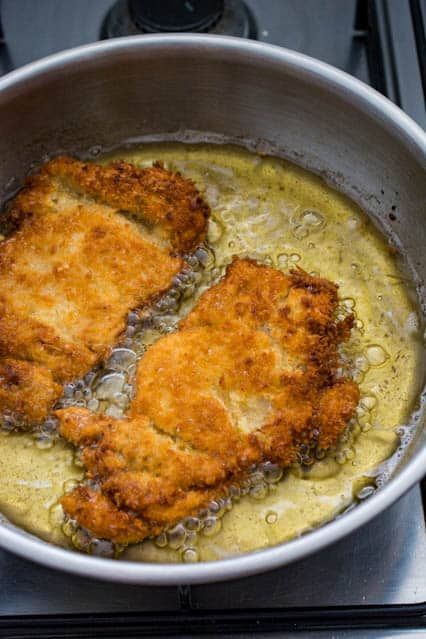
[{"x": 371, "y": 584}]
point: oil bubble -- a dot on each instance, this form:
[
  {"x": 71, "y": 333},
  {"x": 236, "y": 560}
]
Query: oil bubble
[
  {"x": 368, "y": 402},
  {"x": 121, "y": 359},
  {"x": 190, "y": 555},
  {"x": 228, "y": 504},
  {"x": 161, "y": 540},
  {"x": 121, "y": 400},
  {"x": 212, "y": 526},
  {"x": 365, "y": 492},
  {"x": 102, "y": 548},
  {"x": 235, "y": 492},
  {"x": 300, "y": 232},
  {"x": 362, "y": 414},
  {"x": 255, "y": 476},
  {"x": 348, "y": 303},
  {"x": 205, "y": 256},
  {"x": 132, "y": 320},
  {"x": 69, "y": 390},
  {"x": 312, "y": 218},
  {"x": 114, "y": 411},
  {"x": 282, "y": 260},
  {"x": 130, "y": 331},
  {"x": 340, "y": 457},
  {"x": 176, "y": 537},
  {"x": 110, "y": 384},
  {"x": 306, "y": 222},
  {"x": 43, "y": 442},
  {"x": 271, "y": 472},
  {"x": 78, "y": 395},
  {"x": 271, "y": 517},
  {"x": 362, "y": 364},
  {"x": 214, "y": 507},
  {"x": 259, "y": 490},
  {"x": 50, "y": 427},
  {"x": 192, "y": 524},
  {"x": 376, "y": 355},
  {"x": 93, "y": 404}
]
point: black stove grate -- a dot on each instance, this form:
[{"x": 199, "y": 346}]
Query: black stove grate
[
  {"x": 394, "y": 33},
  {"x": 228, "y": 623},
  {"x": 260, "y": 604}
]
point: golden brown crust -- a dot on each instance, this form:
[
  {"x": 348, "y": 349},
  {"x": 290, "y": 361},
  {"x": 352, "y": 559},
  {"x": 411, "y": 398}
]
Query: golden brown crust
[
  {"x": 250, "y": 376},
  {"x": 72, "y": 270},
  {"x": 169, "y": 205},
  {"x": 26, "y": 389},
  {"x": 92, "y": 507}
]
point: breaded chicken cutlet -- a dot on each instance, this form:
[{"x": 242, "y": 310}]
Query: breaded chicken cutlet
[
  {"x": 251, "y": 375},
  {"x": 87, "y": 244}
]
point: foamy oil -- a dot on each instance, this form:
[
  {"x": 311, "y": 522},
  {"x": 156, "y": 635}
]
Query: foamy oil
[{"x": 283, "y": 216}]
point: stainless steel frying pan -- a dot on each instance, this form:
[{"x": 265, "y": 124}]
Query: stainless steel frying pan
[{"x": 233, "y": 89}]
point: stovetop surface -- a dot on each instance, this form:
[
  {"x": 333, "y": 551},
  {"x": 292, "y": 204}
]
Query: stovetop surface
[
  {"x": 383, "y": 563},
  {"x": 300, "y": 25},
  {"x": 375, "y": 578},
  {"x": 371, "y": 584}
]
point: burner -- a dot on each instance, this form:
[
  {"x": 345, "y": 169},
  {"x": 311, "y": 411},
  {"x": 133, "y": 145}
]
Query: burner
[{"x": 136, "y": 17}]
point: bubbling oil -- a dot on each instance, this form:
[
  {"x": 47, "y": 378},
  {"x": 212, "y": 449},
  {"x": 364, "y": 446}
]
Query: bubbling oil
[{"x": 283, "y": 216}]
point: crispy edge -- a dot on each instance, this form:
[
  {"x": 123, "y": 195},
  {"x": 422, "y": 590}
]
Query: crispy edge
[
  {"x": 102, "y": 517},
  {"x": 153, "y": 194},
  {"x": 32, "y": 199},
  {"x": 26, "y": 388}
]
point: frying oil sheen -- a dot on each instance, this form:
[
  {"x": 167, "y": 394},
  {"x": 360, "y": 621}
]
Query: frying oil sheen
[{"x": 282, "y": 215}]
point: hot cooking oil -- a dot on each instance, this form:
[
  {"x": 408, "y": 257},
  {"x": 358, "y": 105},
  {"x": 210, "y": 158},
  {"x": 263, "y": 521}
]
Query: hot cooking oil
[{"x": 284, "y": 216}]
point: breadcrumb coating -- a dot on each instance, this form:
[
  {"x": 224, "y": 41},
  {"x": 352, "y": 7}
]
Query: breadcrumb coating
[
  {"x": 88, "y": 243},
  {"x": 251, "y": 375}
]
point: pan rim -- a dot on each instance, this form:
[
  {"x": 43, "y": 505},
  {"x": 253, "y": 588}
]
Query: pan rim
[{"x": 375, "y": 105}]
